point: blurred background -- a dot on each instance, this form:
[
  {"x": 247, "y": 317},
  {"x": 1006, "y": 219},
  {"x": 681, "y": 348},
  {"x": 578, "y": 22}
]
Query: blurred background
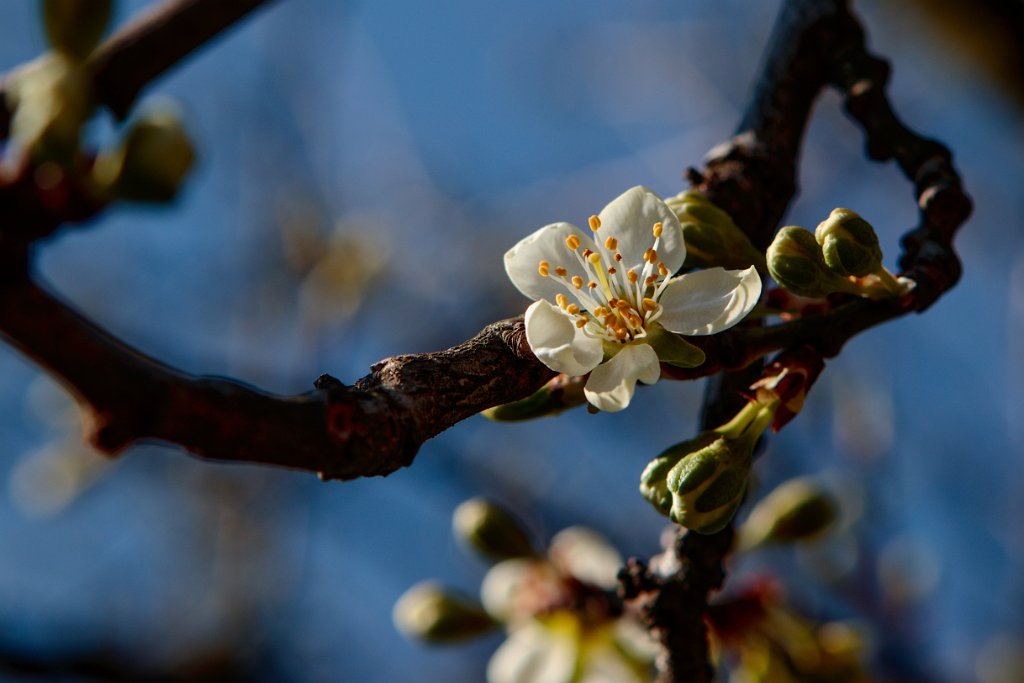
[{"x": 364, "y": 166}]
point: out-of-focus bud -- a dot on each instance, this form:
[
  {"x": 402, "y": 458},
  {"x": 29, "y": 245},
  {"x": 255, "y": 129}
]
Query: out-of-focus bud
[
  {"x": 490, "y": 530},
  {"x": 708, "y": 485},
  {"x": 796, "y": 263},
  {"x": 556, "y": 396},
  {"x": 51, "y": 99},
  {"x": 74, "y": 27},
  {"x": 849, "y": 244},
  {"x": 798, "y": 510},
  {"x": 151, "y": 162},
  {"x": 429, "y": 612},
  {"x": 712, "y": 238}
]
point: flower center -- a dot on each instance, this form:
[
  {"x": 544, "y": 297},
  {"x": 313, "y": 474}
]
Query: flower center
[{"x": 615, "y": 301}]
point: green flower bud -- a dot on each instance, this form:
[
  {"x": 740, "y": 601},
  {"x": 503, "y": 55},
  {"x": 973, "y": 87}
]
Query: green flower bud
[
  {"x": 712, "y": 237},
  {"x": 797, "y": 510},
  {"x": 74, "y": 27},
  {"x": 490, "y": 530},
  {"x": 707, "y": 486},
  {"x": 51, "y": 99},
  {"x": 152, "y": 161},
  {"x": 653, "y": 481},
  {"x": 849, "y": 244},
  {"x": 429, "y": 612},
  {"x": 556, "y": 396},
  {"x": 796, "y": 263}
]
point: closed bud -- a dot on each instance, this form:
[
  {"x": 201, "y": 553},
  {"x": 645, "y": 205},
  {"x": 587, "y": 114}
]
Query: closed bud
[
  {"x": 152, "y": 160},
  {"x": 796, "y": 263},
  {"x": 51, "y": 100},
  {"x": 490, "y": 530},
  {"x": 712, "y": 237},
  {"x": 654, "y": 480},
  {"x": 849, "y": 244},
  {"x": 708, "y": 485},
  {"x": 429, "y": 612},
  {"x": 74, "y": 27},
  {"x": 556, "y": 396},
  {"x": 797, "y": 510}
]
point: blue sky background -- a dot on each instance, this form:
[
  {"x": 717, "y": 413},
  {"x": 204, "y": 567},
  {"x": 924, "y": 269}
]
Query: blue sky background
[{"x": 435, "y": 136}]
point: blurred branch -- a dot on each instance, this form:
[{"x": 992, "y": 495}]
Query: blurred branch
[{"x": 150, "y": 44}]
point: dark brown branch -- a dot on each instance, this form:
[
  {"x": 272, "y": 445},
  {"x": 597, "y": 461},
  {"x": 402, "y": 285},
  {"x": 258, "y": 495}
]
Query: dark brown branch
[
  {"x": 338, "y": 431},
  {"x": 149, "y": 45}
]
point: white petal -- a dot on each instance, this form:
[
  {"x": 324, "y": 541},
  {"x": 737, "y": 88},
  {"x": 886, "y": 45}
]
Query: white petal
[
  {"x": 503, "y": 588},
  {"x": 533, "y": 654},
  {"x": 611, "y": 384},
  {"x": 547, "y": 244},
  {"x": 630, "y": 218},
  {"x": 558, "y": 343},
  {"x": 709, "y": 301},
  {"x": 587, "y": 555}
]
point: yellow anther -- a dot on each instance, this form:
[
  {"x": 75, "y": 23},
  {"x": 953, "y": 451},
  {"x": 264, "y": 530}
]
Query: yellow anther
[
  {"x": 610, "y": 320},
  {"x": 611, "y": 244},
  {"x": 572, "y": 309},
  {"x": 662, "y": 270},
  {"x": 543, "y": 267},
  {"x": 649, "y": 304},
  {"x": 651, "y": 256},
  {"x": 573, "y": 242},
  {"x": 592, "y": 285},
  {"x": 622, "y": 304},
  {"x": 581, "y": 323},
  {"x": 658, "y": 227},
  {"x": 577, "y": 281},
  {"x": 600, "y": 311},
  {"x": 562, "y": 301},
  {"x": 594, "y": 258},
  {"x": 562, "y": 272},
  {"x": 595, "y": 223},
  {"x": 635, "y": 320},
  {"x": 651, "y": 279},
  {"x": 632, "y": 276}
]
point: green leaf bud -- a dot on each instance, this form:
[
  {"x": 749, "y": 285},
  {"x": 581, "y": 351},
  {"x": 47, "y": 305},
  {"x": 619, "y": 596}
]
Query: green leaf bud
[
  {"x": 555, "y": 397},
  {"x": 849, "y": 244},
  {"x": 798, "y": 510},
  {"x": 429, "y": 612},
  {"x": 796, "y": 263},
  {"x": 74, "y": 27},
  {"x": 708, "y": 485},
  {"x": 712, "y": 237},
  {"x": 152, "y": 161},
  {"x": 490, "y": 530}
]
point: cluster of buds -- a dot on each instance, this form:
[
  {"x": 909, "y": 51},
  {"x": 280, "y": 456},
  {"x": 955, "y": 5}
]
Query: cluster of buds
[
  {"x": 700, "y": 483},
  {"x": 559, "y": 608},
  {"x": 53, "y": 98},
  {"x": 842, "y": 256},
  {"x": 712, "y": 237}
]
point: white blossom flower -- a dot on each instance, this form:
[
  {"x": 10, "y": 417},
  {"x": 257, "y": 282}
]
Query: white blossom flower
[{"x": 609, "y": 304}]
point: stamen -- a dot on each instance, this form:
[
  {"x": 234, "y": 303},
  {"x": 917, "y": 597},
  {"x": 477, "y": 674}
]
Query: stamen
[
  {"x": 573, "y": 242},
  {"x": 572, "y": 309},
  {"x": 562, "y": 272},
  {"x": 587, "y": 253},
  {"x": 658, "y": 227},
  {"x": 649, "y": 304},
  {"x": 577, "y": 281},
  {"x": 621, "y": 304},
  {"x": 611, "y": 270},
  {"x": 651, "y": 256},
  {"x": 618, "y": 256},
  {"x": 662, "y": 270},
  {"x": 592, "y": 285},
  {"x": 595, "y": 223},
  {"x": 651, "y": 279},
  {"x": 562, "y": 301},
  {"x": 610, "y": 320},
  {"x": 543, "y": 267},
  {"x": 611, "y": 244},
  {"x": 633, "y": 277},
  {"x": 581, "y": 323}
]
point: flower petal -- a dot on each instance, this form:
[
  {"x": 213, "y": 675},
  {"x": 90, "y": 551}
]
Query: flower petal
[
  {"x": 533, "y": 654},
  {"x": 547, "y": 244},
  {"x": 586, "y": 555},
  {"x": 709, "y": 301},
  {"x": 611, "y": 384},
  {"x": 630, "y": 218},
  {"x": 558, "y": 343}
]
